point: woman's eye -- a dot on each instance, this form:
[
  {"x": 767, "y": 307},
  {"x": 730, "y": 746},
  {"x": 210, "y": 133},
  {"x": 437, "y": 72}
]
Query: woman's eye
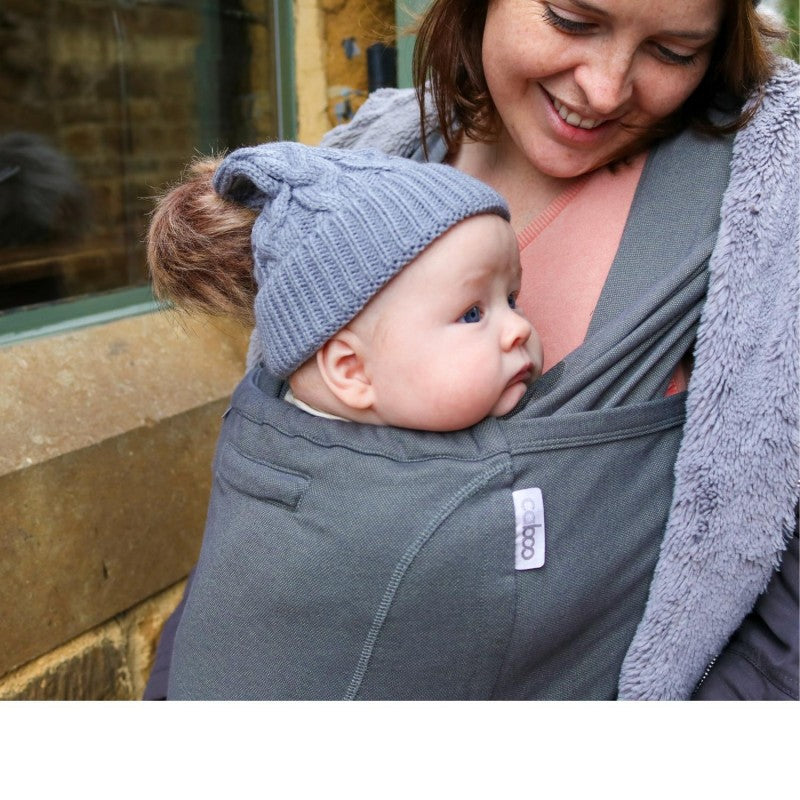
[
  {"x": 473, "y": 315},
  {"x": 512, "y": 299},
  {"x": 565, "y": 23},
  {"x": 671, "y": 57}
]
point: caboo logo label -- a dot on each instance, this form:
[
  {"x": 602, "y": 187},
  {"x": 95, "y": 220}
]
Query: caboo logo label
[{"x": 529, "y": 513}]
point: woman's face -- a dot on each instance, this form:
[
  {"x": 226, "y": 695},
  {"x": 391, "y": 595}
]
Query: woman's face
[{"x": 569, "y": 76}]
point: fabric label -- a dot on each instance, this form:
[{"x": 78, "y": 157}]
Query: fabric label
[{"x": 529, "y": 513}]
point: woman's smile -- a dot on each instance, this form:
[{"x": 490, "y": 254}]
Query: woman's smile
[
  {"x": 580, "y": 128},
  {"x": 576, "y": 85},
  {"x": 573, "y": 118}
]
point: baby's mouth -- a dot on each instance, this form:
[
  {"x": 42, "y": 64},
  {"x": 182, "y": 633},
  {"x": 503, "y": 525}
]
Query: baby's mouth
[{"x": 525, "y": 375}]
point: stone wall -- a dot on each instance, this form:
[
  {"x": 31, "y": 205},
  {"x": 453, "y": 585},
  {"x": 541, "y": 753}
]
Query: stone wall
[
  {"x": 109, "y": 662},
  {"x": 332, "y": 37},
  {"x": 351, "y": 26},
  {"x": 108, "y": 435}
]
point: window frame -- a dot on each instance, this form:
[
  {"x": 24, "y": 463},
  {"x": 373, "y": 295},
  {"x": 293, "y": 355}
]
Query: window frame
[
  {"x": 62, "y": 316},
  {"x": 405, "y": 12}
]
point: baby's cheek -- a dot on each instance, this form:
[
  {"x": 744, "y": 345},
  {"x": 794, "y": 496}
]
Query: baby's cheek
[
  {"x": 508, "y": 400},
  {"x": 465, "y": 397}
]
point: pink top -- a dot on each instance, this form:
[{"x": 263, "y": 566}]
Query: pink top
[{"x": 567, "y": 251}]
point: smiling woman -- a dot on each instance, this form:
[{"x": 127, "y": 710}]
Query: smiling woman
[
  {"x": 451, "y": 39},
  {"x": 577, "y": 85}
]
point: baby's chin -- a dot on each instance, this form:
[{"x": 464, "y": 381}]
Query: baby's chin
[
  {"x": 444, "y": 418},
  {"x": 509, "y": 399}
]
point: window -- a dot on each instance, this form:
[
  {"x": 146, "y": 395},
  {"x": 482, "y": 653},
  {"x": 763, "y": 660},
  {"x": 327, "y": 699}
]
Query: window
[{"x": 102, "y": 103}]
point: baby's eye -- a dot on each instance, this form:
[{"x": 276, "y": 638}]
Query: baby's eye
[
  {"x": 512, "y": 299},
  {"x": 473, "y": 315}
]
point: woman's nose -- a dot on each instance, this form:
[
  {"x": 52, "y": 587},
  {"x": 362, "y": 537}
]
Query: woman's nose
[{"x": 606, "y": 80}]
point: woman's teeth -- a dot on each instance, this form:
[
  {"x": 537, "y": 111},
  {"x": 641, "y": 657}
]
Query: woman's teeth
[{"x": 571, "y": 118}]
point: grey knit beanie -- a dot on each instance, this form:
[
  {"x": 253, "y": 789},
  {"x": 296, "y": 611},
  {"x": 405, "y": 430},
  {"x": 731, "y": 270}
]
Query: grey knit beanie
[{"x": 335, "y": 226}]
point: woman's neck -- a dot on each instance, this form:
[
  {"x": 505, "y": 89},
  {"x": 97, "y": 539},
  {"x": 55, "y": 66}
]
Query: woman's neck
[{"x": 508, "y": 171}]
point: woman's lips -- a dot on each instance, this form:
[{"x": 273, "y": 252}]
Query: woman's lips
[
  {"x": 570, "y": 125},
  {"x": 573, "y": 118}
]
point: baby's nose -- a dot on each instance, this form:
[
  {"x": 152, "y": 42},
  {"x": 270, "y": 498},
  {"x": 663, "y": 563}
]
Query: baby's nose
[{"x": 517, "y": 331}]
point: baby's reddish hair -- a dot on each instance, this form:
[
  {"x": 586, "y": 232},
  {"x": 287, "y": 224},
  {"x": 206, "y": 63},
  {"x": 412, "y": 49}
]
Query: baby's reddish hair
[{"x": 198, "y": 247}]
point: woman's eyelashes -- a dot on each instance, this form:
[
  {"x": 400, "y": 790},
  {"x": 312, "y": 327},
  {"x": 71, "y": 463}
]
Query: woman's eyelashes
[
  {"x": 671, "y": 57},
  {"x": 564, "y": 23},
  {"x": 512, "y": 299},
  {"x": 568, "y": 25}
]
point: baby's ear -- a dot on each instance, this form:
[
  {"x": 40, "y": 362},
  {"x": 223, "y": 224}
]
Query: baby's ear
[{"x": 341, "y": 362}]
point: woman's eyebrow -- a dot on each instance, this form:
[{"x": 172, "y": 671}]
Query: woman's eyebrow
[{"x": 694, "y": 35}]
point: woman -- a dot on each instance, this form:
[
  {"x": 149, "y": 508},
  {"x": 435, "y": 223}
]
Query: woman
[{"x": 635, "y": 283}]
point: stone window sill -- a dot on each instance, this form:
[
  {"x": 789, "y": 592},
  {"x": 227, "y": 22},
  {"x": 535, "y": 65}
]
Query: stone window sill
[{"x": 108, "y": 435}]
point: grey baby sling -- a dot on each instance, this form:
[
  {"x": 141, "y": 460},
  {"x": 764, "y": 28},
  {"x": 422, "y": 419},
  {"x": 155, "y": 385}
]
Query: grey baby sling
[{"x": 343, "y": 561}]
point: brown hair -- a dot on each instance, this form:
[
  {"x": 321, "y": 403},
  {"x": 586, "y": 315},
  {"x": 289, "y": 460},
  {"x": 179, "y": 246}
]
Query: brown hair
[
  {"x": 448, "y": 54},
  {"x": 198, "y": 247}
]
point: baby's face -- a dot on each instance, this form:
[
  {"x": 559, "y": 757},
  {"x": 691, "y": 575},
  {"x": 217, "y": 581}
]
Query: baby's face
[{"x": 448, "y": 347}]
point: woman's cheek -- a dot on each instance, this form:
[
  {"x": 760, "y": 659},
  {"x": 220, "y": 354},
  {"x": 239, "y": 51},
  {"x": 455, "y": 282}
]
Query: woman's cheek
[{"x": 671, "y": 87}]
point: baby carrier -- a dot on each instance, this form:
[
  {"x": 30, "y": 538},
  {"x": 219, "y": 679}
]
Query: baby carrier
[{"x": 508, "y": 561}]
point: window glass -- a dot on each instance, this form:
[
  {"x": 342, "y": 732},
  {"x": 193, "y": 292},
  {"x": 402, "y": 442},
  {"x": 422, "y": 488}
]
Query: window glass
[{"x": 102, "y": 103}]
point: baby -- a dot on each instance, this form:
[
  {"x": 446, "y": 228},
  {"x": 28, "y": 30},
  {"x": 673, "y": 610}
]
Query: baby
[
  {"x": 347, "y": 560},
  {"x": 386, "y": 289}
]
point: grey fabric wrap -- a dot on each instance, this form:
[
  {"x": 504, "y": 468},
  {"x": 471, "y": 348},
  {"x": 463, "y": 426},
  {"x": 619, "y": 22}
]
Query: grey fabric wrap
[
  {"x": 343, "y": 561},
  {"x": 359, "y": 562}
]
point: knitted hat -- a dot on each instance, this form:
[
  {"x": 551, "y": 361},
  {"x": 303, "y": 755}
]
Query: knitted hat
[{"x": 335, "y": 226}]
